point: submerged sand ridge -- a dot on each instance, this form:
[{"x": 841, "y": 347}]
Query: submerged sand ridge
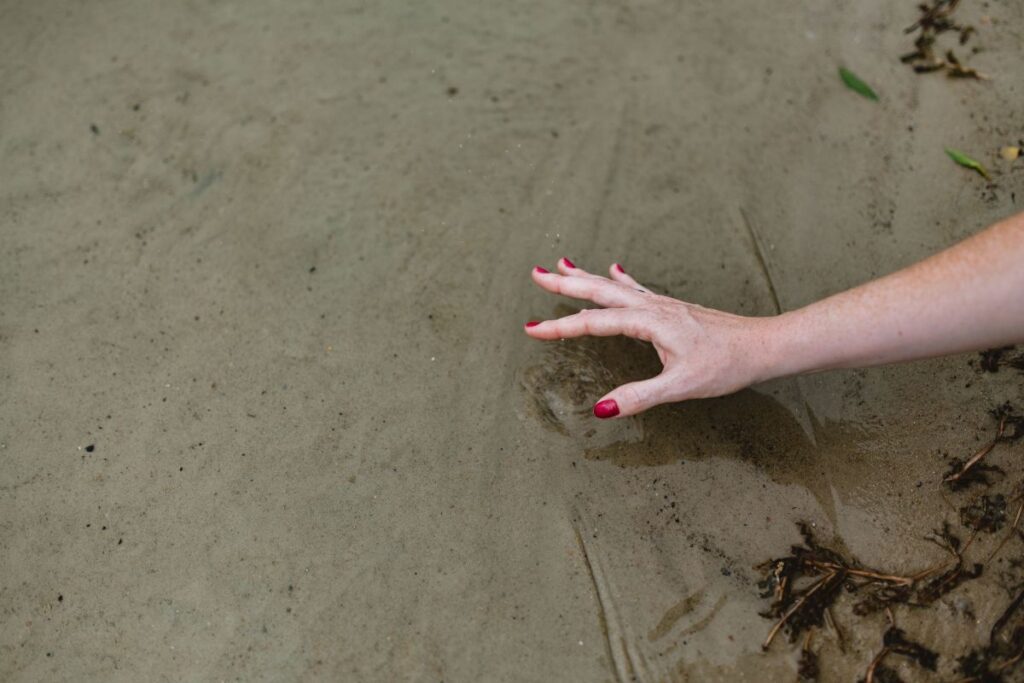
[{"x": 270, "y": 261}]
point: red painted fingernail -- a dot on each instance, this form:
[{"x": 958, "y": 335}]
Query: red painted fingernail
[
  {"x": 568, "y": 262},
  {"x": 533, "y": 323},
  {"x": 618, "y": 267},
  {"x": 542, "y": 270},
  {"x": 606, "y": 408}
]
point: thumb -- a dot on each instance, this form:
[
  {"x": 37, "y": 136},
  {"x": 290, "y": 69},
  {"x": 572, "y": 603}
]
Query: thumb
[{"x": 635, "y": 397}]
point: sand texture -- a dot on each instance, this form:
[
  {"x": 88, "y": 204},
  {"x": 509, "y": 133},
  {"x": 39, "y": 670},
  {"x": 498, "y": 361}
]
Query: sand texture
[{"x": 266, "y": 408}]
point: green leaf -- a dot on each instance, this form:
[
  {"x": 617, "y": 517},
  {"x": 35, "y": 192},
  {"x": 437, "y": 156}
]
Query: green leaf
[
  {"x": 857, "y": 85},
  {"x": 967, "y": 162}
]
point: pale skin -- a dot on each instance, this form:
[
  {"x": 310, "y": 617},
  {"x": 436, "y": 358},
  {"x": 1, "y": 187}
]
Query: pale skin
[{"x": 966, "y": 298}]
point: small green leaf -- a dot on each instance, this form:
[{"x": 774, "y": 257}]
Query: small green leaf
[
  {"x": 857, "y": 85},
  {"x": 967, "y": 162}
]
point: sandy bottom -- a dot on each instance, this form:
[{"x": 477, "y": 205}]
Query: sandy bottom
[{"x": 267, "y": 412}]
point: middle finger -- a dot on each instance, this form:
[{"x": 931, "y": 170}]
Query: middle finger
[{"x": 599, "y": 290}]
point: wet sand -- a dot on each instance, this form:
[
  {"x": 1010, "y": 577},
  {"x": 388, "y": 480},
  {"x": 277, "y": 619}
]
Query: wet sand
[{"x": 267, "y": 410}]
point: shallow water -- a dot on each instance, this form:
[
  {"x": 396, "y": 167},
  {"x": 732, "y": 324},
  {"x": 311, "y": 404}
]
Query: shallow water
[{"x": 279, "y": 290}]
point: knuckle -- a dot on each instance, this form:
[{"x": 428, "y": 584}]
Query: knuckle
[
  {"x": 635, "y": 394},
  {"x": 585, "y": 319}
]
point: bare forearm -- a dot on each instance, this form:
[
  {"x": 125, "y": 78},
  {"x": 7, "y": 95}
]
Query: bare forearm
[{"x": 968, "y": 297}]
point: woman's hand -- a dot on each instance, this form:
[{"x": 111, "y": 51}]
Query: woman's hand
[
  {"x": 965, "y": 298},
  {"x": 704, "y": 352}
]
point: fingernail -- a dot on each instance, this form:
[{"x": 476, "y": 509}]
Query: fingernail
[
  {"x": 568, "y": 262},
  {"x": 606, "y": 408},
  {"x": 618, "y": 267},
  {"x": 542, "y": 270},
  {"x": 533, "y": 323}
]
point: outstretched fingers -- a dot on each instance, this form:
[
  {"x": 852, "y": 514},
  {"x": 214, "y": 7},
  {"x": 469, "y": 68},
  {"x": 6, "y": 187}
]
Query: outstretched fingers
[{"x": 582, "y": 285}]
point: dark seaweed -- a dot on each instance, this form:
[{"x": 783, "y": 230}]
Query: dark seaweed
[
  {"x": 806, "y": 584},
  {"x": 798, "y": 609},
  {"x": 935, "y": 20},
  {"x": 1004, "y": 651},
  {"x": 978, "y": 475},
  {"x": 964, "y": 473},
  {"x": 1012, "y": 421},
  {"x": 952, "y": 577},
  {"x": 987, "y": 513},
  {"x": 807, "y": 668},
  {"x": 1002, "y": 357},
  {"x": 946, "y": 582},
  {"x": 883, "y": 674},
  {"x": 897, "y": 643},
  {"x": 881, "y": 597}
]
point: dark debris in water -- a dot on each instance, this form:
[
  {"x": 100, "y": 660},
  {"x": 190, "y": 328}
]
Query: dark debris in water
[
  {"x": 821, "y": 573},
  {"x": 1012, "y": 421},
  {"x": 937, "y": 19},
  {"x": 881, "y": 597},
  {"x": 947, "y": 582},
  {"x": 807, "y": 669},
  {"x": 804, "y": 586},
  {"x": 883, "y": 674},
  {"x": 895, "y": 642},
  {"x": 1005, "y": 649},
  {"x": 960, "y": 477},
  {"x": 965, "y": 473},
  {"x": 1002, "y": 357},
  {"x": 987, "y": 513},
  {"x": 799, "y": 608}
]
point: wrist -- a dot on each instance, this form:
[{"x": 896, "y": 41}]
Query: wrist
[{"x": 788, "y": 346}]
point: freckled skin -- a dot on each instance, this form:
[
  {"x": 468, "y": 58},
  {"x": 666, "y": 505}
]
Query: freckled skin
[{"x": 967, "y": 297}]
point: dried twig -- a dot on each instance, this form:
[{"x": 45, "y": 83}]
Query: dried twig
[
  {"x": 870, "y": 676},
  {"x": 807, "y": 667},
  {"x": 976, "y": 458},
  {"x": 796, "y": 606},
  {"x": 830, "y": 621},
  {"x": 825, "y": 572},
  {"x": 866, "y": 573}
]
